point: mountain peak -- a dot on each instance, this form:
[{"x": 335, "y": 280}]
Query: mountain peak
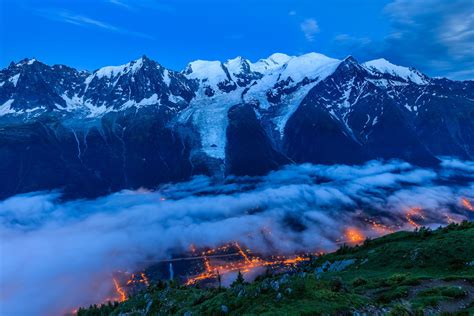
[
  {"x": 113, "y": 71},
  {"x": 145, "y": 60},
  {"x": 210, "y": 71},
  {"x": 273, "y": 61},
  {"x": 351, "y": 59},
  {"x": 28, "y": 61},
  {"x": 23, "y": 62},
  {"x": 237, "y": 65},
  {"x": 350, "y": 66},
  {"x": 279, "y": 58},
  {"x": 383, "y": 66}
]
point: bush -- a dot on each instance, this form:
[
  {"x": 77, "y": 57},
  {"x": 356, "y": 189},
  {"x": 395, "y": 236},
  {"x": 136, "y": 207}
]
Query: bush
[
  {"x": 359, "y": 281},
  {"x": 387, "y": 296},
  {"x": 239, "y": 280},
  {"x": 454, "y": 292},
  {"x": 447, "y": 291},
  {"x": 424, "y": 232},
  {"x": 399, "y": 310},
  {"x": 397, "y": 278},
  {"x": 336, "y": 285},
  {"x": 343, "y": 249},
  {"x": 367, "y": 242}
]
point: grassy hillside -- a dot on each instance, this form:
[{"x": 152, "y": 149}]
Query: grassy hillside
[{"x": 405, "y": 273}]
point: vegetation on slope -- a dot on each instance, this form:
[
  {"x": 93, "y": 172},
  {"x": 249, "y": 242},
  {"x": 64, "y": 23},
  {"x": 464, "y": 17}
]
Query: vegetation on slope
[{"x": 404, "y": 273}]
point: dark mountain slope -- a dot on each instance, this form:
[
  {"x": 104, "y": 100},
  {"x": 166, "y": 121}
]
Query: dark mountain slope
[{"x": 140, "y": 124}]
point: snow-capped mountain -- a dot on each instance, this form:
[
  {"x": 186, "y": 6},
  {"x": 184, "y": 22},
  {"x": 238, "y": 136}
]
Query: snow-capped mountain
[{"x": 140, "y": 124}]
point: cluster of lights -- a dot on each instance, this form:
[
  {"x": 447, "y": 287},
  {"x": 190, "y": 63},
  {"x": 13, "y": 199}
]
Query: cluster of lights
[{"x": 247, "y": 261}]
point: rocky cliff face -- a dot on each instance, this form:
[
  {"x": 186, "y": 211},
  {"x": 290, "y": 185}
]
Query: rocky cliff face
[{"x": 140, "y": 124}]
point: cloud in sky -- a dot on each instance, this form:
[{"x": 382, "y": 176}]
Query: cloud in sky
[
  {"x": 66, "y": 16},
  {"x": 352, "y": 44},
  {"x": 67, "y": 250},
  {"x": 436, "y": 34},
  {"x": 310, "y": 28},
  {"x": 120, "y": 4},
  {"x": 143, "y": 4}
]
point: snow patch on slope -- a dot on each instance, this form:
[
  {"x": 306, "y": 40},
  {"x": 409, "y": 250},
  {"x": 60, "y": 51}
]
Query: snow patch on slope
[
  {"x": 114, "y": 71},
  {"x": 152, "y": 100},
  {"x": 6, "y": 108},
  {"x": 383, "y": 66},
  {"x": 75, "y": 103},
  {"x": 14, "y": 79},
  {"x": 166, "y": 77}
]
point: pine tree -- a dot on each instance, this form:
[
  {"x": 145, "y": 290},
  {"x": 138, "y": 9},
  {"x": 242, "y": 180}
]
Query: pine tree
[
  {"x": 239, "y": 280},
  {"x": 219, "y": 279}
]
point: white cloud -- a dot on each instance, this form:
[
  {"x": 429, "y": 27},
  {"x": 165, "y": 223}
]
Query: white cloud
[
  {"x": 84, "y": 21},
  {"x": 436, "y": 35},
  {"x": 292, "y": 13},
  {"x": 120, "y": 4},
  {"x": 134, "y": 5},
  {"x": 352, "y": 40},
  {"x": 310, "y": 28},
  {"x": 76, "y": 245}
]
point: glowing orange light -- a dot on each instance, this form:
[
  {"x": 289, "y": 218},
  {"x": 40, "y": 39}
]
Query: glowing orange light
[
  {"x": 450, "y": 219},
  {"x": 467, "y": 204},
  {"x": 119, "y": 290},
  {"x": 295, "y": 260},
  {"x": 247, "y": 263},
  {"x": 144, "y": 279},
  {"x": 130, "y": 281},
  {"x": 207, "y": 264},
  {"x": 412, "y": 213},
  {"x": 378, "y": 227},
  {"x": 354, "y": 235},
  {"x": 242, "y": 253}
]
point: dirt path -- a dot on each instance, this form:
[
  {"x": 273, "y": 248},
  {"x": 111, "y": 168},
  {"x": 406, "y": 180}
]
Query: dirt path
[{"x": 451, "y": 305}]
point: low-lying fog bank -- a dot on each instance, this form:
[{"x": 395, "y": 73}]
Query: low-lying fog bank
[{"x": 57, "y": 255}]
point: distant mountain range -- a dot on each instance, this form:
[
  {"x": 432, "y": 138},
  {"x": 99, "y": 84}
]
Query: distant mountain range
[{"x": 140, "y": 124}]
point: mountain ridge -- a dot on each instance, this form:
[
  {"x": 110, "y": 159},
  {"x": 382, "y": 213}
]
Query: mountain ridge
[
  {"x": 74, "y": 100},
  {"x": 151, "y": 124}
]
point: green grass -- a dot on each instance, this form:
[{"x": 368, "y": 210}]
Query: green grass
[
  {"x": 385, "y": 275},
  {"x": 432, "y": 297}
]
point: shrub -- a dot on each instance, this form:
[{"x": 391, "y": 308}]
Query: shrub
[
  {"x": 397, "y": 278},
  {"x": 390, "y": 295},
  {"x": 399, "y": 310},
  {"x": 239, "y": 280},
  {"x": 336, "y": 285},
  {"x": 359, "y": 281}
]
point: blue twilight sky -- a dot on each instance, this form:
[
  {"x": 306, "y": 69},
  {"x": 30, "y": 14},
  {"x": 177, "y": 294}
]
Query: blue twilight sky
[{"x": 435, "y": 36}]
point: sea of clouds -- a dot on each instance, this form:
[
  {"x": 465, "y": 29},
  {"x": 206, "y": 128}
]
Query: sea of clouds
[{"x": 56, "y": 255}]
